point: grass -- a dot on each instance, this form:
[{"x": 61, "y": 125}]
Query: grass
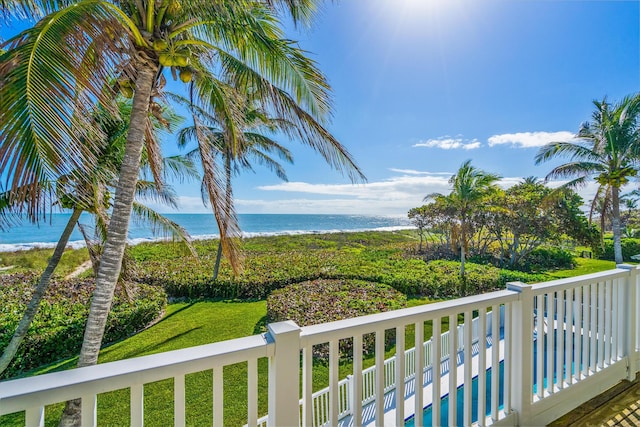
[
  {"x": 584, "y": 266},
  {"x": 37, "y": 259}
]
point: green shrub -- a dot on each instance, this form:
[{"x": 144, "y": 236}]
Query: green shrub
[
  {"x": 58, "y": 328},
  {"x": 630, "y": 247},
  {"x": 548, "y": 258},
  {"x": 320, "y": 301}
]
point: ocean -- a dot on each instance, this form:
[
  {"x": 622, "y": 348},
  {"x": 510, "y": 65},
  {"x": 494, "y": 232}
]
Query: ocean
[{"x": 201, "y": 226}]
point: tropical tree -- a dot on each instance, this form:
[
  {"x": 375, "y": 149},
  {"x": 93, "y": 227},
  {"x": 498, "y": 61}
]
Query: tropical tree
[
  {"x": 606, "y": 149},
  {"x": 254, "y": 143},
  {"x": 92, "y": 194},
  {"x": 470, "y": 187},
  {"x": 530, "y": 214},
  {"x": 67, "y": 57}
]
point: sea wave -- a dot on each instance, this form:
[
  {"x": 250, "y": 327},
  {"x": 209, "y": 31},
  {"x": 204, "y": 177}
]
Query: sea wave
[{"x": 77, "y": 244}]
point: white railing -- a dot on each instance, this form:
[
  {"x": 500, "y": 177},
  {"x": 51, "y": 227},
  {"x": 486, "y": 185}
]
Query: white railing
[
  {"x": 557, "y": 344},
  {"x": 320, "y": 398}
]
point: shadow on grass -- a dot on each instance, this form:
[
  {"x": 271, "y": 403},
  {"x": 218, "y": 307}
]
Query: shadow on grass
[
  {"x": 186, "y": 307},
  {"x": 150, "y": 349},
  {"x": 260, "y": 326}
]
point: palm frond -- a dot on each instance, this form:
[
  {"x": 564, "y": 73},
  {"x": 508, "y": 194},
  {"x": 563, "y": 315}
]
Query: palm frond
[
  {"x": 51, "y": 77},
  {"x": 162, "y": 225}
]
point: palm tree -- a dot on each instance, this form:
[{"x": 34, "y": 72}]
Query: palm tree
[
  {"x": 607, "y": 150},
  {"x": 92, "y": 194},
  {"x": 254, "y": 143},
  {"x": 67, "y": 57},
  {"x": 470, "y": 186}
]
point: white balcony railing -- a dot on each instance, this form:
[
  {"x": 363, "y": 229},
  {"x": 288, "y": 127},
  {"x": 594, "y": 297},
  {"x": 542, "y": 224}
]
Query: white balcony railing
[{"x": 535, "y": 352}]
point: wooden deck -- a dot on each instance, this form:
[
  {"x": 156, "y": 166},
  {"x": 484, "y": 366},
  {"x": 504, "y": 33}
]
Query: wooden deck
[{"x": 618, "y": 406}]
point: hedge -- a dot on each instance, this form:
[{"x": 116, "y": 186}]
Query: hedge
[{"x": 58, "y": 328}]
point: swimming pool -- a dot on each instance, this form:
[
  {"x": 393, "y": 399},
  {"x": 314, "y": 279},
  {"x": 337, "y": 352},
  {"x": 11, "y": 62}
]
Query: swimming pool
[{"x": 444, "y": 405}]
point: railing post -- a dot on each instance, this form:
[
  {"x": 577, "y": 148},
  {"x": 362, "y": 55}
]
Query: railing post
[
  {"x": 351, "y": 394},
  {"x": 630, "y": 315},
  {"x": 522, "y": 352},
  {"x": 284, "y": 374}
]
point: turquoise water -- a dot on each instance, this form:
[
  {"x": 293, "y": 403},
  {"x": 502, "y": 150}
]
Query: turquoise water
[
  {"x": 201, "y": 226},
  {"x": 444, "y": 403},
  {"x": 444, "y": 414}
]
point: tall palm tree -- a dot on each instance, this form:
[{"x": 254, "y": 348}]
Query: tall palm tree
[
  {"x": 92, "y": 194},
  {"x": 254, "y": 143},
  {"x": 67, "y": 57},
  {"x": 469, "y": 187},
  {"x": 607, "y": 150}
]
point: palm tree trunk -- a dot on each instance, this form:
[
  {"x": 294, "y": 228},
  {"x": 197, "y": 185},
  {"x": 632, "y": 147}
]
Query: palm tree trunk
[
  {"x": 32, "y": 309},
  {"x": 615, "y": 223},
  {"x": 463, "y": 236},
  {"x": 116, "y": 242},
  {"x": 228, "y": 193}
]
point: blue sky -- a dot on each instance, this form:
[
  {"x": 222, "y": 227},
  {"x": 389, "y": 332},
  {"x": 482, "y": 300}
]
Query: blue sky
[{"x": 422, "y": 85}]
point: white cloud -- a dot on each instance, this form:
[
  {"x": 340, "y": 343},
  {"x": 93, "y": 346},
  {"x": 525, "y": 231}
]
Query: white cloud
[
  {"x": 448, "y": 143},
  {"x": 392, "y": 196},
  {"x": 530, "y": 139},
  {"x": 415, "y": 172}
]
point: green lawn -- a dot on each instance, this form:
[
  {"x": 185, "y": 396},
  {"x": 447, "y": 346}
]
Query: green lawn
[{"x": 584, "y": 266}]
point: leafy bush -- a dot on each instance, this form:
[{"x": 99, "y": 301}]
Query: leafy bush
[
  {"x": 58, "y": 328},
  {"x": 444, "y": 279},
  {"x": 630, "y": 247},
  {"x": 320, "y": 301},
  {"x": 548, "y": 258}
]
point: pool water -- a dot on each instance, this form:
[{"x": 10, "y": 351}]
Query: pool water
[{"x": 444, "y": 405}]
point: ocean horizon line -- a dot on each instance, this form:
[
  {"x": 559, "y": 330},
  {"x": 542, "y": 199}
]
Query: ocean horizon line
[{"x": 252, "y": 225}]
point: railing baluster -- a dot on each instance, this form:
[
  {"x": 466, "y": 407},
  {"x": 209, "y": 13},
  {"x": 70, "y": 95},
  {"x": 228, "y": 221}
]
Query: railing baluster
[
  {"x": 482, "y": 366},
  {"x": 507, "y": 357},
  {"x": 551, "y": 332},
  {"x": 586, "y": 336},
  {"x": 601, "y": 331},
  {"x": 137, "y": 405},
  {"x": 593, "y": 356},
  {"x": 307, "y": 386},
  {"x": 88, "y": 411},
  {"x": 179, "y": 401},
  {"x": 252, "y": 392},
  {"x": 436, "y": 371},
  {"x": 34, "y": 417},
  {"x": 453, "y": 368},
  {"x": 380, "y": 377},
  {"x": 608, "y": 321},
  {"x": 615, "y": 320},
  {"x": 578, "y": 333},
  {"x": 495, "y": 361},
  {"x": 467, "y": 368},
  {"x": 560, "y": 340},
  {"x": 356, "y": 404},
  {"x": 399, "y": 373},
  {"x": 569, "y": 331},
  {"x": 418, "y": 360},
  {"x": 540, "y": 346},
  {"x": 218, "y": 397},
  {"x": 334, "y": 353}
]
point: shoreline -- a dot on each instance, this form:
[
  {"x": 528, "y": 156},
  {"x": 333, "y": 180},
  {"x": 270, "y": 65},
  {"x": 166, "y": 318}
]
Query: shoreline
[{"x": 79, "y": 244}]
